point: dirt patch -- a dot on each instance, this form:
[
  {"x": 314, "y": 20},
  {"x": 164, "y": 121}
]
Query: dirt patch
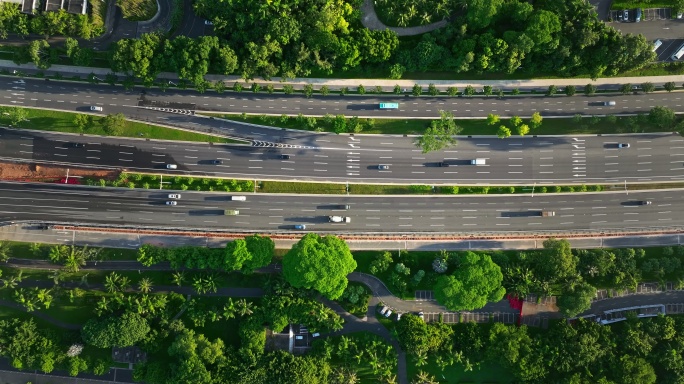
[{"x": 41, "y": 172}]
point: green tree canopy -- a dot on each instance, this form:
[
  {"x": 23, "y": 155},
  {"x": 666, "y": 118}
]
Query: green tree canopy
[
  {"x": 115, "y": 331},
  {"x": 320, "y": 263},
  {"x": 556, "y": 261},
  {"x": 440, "y": 134},
  {"x": 576, "y": 300},
  {"x": 476, "y": 281}
]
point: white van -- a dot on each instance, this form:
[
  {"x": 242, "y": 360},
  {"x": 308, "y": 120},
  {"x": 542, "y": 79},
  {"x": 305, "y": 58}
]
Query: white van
[
  {"x": 478, "y": 161},
  {"x": 238, "y": 198},
  {"x": 96, "y": 108}
]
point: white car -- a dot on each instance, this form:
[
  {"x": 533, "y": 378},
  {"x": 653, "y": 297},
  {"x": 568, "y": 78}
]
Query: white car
[
  {"x": 171, "y": 166},
  {"x": 623, "y": 145},
  {"x": 96, "y": 108},
  {"x": 174, "y": 196},
  {"x": 171, "y": 203}
]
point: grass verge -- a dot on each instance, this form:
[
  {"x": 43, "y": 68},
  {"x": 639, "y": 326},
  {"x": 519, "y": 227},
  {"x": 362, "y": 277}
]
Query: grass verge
[
  {"x": 137, "y": 10},
  {"x": 562, "y": 126},
  {"x": 55, "y": 121}
]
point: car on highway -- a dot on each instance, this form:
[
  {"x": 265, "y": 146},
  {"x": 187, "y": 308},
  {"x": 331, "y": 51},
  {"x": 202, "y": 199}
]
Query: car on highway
[
  {"x": 96, "y": 108},
  {"x": 343, "y": 206},
  {"x": 443, "y": 164},
  {"x": 171, "y": 202},
  {"x": 231, "y": 212},
  {"x": 285, "y": 157},
  {"x": 644, "y": 202},
  {"x": 217, "y": 162},
  {"x": 171, "y": 166},
  {"x": 238, "y": 198},
  {"x": 300, "y": 226},
  {"x": 174, "y": 196},
  {"x": 383, "y": 166},
  {"x": 76, "y": 145},
  {"x": 623, "y": 145},
  {"x": 609, "y": 103}
]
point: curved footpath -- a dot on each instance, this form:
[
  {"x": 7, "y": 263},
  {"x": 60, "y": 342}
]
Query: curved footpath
[
  {"x": 370, "y": 20},
  {"x": 380, "y": 294}
]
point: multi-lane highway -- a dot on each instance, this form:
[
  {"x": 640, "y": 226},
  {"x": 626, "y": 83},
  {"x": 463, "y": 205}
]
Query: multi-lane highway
[
  {"x": 78, "y": 97},
  {"x": 542, "y": 160},
  {"x": 381, "y": 214}
]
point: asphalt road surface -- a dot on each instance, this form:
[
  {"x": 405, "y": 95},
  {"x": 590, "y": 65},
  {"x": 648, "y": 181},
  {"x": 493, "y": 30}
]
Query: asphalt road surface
[
  {"x": 541, "y": 160},
  {"x": 79, "y": 97},
  {"x": 379, "y": 214}
]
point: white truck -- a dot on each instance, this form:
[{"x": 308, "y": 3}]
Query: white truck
[
  {"x": 478, "y": 161},
  {"x": 339, "y": 219}
]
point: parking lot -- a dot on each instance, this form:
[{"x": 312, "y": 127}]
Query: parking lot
[
  {"x": 647, "y": 14},
  {"x": 477, "y": 317}
]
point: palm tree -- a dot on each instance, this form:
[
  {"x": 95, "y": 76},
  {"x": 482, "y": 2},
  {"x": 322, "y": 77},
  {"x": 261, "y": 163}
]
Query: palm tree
[
  {"x": 229, "y": 309},
  {"x": 214, "y": 315},
  {"x": 210, "y": 283},
  {"x": 4, "y": 251},
  {"x": 178, "y": 278},
  {"x": 402, "y": 20},
  {"x": 392, "y": 379},
  {"x": 412, "y": 11},
  {"x": 244, "y": 307},
  {"x": 145, "y": 285},
  {"x": 426, "y": 18},
  {"x": 43, "y": 295},
  {"x": 111, "y": 282},
  {"x": 198, "y": 285},
  {"x": 102, "y": 306},
  {"x": 420, "y": 358},
  {"x": 10, "y": 282},
  {"x": 20, "y": 276},
  {"x": 424, "y": 378},
  {"x": 124, "y": 283}
]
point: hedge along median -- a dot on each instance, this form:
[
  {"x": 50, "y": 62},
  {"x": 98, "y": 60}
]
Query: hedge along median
[{"x": 182, "y": 183}]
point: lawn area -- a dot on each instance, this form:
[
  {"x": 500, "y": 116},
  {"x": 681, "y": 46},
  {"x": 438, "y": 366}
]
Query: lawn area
[
  {"x": 46, "y": 120},
  {"x": 550, "y": 126},
  {"x": 137, "y": 10},
  {"x": 488, "y": 373},
  {"x": 631, "y": 4}
]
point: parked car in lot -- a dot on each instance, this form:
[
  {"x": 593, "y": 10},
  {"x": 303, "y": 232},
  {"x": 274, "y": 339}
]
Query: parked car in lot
[
  {"x": 174, "y": 196},
  {"x": 625, "y": 15}
]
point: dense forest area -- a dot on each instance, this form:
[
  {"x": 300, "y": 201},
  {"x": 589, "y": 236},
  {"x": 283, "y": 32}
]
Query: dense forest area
[{"x": 325, "y": 37}]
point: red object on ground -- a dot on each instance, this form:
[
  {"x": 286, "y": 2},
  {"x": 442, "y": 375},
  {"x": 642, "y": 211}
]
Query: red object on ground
[
  {"x": 516, "y": 303},
  {"x": 72, "y": 180}
]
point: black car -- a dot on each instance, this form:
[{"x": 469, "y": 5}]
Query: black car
[
  {"x": 217, "y": 162},
  {"x": 285, "y": 157},
  {"x": 343, "y": 206},
  {"x": 76, "y": 145},
  {"x": 443, "y": 164},
  {"x": 644, "y": 202}
]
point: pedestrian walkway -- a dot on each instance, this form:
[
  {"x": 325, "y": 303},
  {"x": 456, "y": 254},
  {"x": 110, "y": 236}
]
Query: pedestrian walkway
[{"x": 386, "y": 84}]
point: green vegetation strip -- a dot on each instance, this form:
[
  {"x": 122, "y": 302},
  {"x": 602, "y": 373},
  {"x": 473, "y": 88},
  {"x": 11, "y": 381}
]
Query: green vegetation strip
[
  {"x": 562, "y": 126},
  {"x": 180, "y": 183},
  {"x": 55, "y": 121},
  {"x": 137, "y": 10}
]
